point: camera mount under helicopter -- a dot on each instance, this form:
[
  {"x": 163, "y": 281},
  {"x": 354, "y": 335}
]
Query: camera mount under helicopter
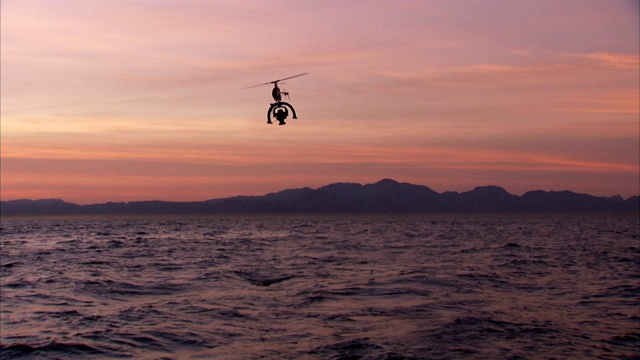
[{"x": 280, "y": 112}]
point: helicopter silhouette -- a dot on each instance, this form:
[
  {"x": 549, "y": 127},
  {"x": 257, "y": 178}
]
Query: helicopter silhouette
[{"x": 279, "y": 108}]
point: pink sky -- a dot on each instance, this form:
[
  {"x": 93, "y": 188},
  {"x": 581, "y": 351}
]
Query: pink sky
[{"x": 138, "y": 100}]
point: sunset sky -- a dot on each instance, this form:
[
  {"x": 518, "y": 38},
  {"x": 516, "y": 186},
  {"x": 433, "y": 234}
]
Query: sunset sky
[{"x": 129, "y": 100}]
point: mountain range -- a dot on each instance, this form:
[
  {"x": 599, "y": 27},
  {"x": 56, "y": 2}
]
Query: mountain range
[{"x": 385, "y": 196}]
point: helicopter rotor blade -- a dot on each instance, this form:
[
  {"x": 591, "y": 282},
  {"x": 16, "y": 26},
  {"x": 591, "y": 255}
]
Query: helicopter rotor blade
[
  {"x": 290, "y": 77},
  {"x": 251, "y": 87},
  {"x": 276, "y": 81}
]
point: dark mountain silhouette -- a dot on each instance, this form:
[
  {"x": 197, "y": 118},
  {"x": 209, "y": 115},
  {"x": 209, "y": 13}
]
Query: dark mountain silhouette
[
  {"x": 385, "y": 196},
  {"x": 38, "y": 207}
]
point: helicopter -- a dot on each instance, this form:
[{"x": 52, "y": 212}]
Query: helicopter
[{"x": 279, "y": 108}]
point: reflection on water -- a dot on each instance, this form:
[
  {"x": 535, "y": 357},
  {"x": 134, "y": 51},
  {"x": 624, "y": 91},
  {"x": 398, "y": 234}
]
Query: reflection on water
[{"x": 321, "y": 287}]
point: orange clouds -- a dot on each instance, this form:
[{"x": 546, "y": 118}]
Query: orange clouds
[
  {"x": 185, "y": 176},
  {"x": 614, "y": 61}
]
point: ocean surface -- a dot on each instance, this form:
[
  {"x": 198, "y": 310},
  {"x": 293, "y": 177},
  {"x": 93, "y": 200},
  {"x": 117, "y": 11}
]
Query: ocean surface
[{"x": 321, "y": 287}]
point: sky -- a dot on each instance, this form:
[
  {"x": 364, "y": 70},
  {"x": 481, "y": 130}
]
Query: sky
[{"x": 131, "y": 100}]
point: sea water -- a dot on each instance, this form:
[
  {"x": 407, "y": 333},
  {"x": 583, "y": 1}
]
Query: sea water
[{"x": 321, "y": 287}]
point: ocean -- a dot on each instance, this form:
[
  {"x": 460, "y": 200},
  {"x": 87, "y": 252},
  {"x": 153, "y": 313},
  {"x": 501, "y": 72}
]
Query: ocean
[{"x": 434, "y": 286}]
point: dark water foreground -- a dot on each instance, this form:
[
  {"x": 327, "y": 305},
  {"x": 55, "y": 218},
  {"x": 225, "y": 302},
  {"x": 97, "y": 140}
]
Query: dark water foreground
[{"x": 374, "y": 287}]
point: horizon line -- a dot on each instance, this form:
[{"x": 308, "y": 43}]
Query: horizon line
[{"x": 307, "y": 187}]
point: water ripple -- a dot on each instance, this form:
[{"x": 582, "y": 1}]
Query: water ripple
[{"x": 321, "y": 287}]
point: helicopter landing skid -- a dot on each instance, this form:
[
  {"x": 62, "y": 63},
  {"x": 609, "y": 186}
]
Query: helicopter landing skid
[{"x": 280, "y": 112}]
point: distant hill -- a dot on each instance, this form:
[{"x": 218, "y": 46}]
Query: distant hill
[{"x": 385, "y": 196}]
